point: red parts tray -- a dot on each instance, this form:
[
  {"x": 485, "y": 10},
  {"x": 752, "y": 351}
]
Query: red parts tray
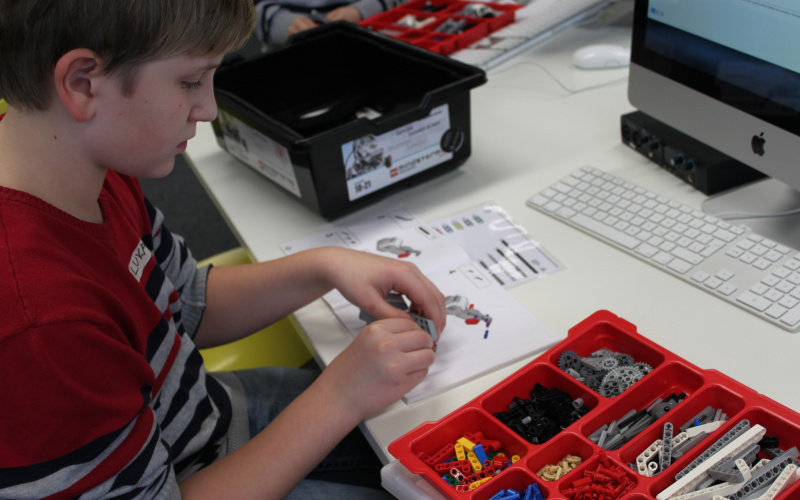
[
  {"x": 443, "y": 26},
  {"x": 667, "y": 374}
]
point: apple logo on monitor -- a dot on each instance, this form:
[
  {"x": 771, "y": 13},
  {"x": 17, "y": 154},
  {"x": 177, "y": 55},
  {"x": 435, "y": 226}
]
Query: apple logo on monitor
[{"x": 757, "y": 143}]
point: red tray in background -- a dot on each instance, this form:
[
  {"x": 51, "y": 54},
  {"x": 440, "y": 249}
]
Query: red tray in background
[
  {"x": 427, "y": 37},
  {"x": 670, "y": 374}
]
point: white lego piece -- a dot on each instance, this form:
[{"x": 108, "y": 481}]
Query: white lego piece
[
  {"x": 687, "y": 482},
  {"x": 649, "y": 454},
  {"x": 721, "y": 489},
  {"x": 679, "y": 439},
  {"x": 708, "y": 428},
  {"x": 784, "y": 480}
]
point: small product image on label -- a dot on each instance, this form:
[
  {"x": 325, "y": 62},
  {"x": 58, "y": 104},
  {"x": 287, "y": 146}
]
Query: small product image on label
[{"x": 373, "y": 162}]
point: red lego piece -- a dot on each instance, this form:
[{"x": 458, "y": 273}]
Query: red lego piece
[{"x": 446, "y": 453}]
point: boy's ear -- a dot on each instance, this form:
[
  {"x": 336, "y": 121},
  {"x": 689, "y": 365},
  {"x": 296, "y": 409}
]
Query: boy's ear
[{"x": 78, "y": 75}]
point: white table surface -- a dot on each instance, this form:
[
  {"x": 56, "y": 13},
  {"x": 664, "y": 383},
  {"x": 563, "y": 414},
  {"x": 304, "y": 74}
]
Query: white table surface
[{"x": 527, "y": 132}]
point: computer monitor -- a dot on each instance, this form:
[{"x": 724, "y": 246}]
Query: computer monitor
[{"x": 727, "y": 73}]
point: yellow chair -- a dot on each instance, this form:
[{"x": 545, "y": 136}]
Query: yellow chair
[
  {"x": 279, "y": 344},
  {"x": 3, "y": 106}
]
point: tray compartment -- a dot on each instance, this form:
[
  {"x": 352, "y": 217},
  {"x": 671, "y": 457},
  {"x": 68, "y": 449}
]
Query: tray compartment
[
  {"x": 601, "y": 331},
  {"x": 786, "y": 430},
  {"x": 716, "y": 397},
  {"x": 619, "y": 476},
  {"x": 525, "y": 381},
  {"x": 514, "y": 478},
  {"x": 672, "y": 378},
  {"x": 435, "y": 438},
  {"x": 564, "y": 444}
]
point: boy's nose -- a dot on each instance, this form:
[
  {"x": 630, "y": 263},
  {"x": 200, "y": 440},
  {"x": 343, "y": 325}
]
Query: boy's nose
[{"x": 206, "y": 109}]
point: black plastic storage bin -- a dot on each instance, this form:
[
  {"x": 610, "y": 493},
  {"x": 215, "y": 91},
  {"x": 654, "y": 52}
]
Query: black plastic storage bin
[{"x": 343, "y": 115}]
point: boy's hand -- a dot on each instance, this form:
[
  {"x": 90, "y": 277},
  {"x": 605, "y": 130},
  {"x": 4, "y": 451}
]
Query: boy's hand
[
  {"x": 346, "y": 13},
  {"x": 365, "y": 280},
  {"x": 299, "y": 24},
  {"x": 387, "y": 359}
]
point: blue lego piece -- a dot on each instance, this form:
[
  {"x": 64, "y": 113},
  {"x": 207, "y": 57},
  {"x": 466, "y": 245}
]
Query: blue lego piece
[
  {"x": 532, "y": 492},
  {"x": 480, "y": 453},
  {"x": 529, "y": 493}
]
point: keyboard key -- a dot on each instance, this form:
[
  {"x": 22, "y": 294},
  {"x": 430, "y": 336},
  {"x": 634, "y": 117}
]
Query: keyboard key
[
  {"x": 748, "y": 258},
  {"x": 679, "y": 266},
  {"x": 647, "y": 250},
  {"x": 725, "y": 274},
  {"x": 776, "y": 311},
  {"x": 762, "y": 263},
  {"x": 617, "y": 237},
  {"x": 791, "y": 318},
  {"x": 734, "y": 252},
  {"x": 755, "y": 301},
  {"x": 773, "y": 295},
  {"x": 663, "y": 258},
  {"x": 782, "y": 272},
  {"x": 687, "y": 255},
  {"x": 793, "y": 264}
]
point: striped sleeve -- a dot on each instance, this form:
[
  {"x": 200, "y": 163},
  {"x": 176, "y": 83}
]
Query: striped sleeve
[{"x": 175, "y": 258}]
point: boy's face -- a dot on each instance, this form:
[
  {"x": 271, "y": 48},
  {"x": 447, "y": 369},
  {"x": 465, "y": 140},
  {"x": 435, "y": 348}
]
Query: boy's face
[{"x": 140, "y": 135}]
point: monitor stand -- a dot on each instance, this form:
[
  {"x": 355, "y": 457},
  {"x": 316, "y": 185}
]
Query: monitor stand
[{"x": 763, "y": 196}]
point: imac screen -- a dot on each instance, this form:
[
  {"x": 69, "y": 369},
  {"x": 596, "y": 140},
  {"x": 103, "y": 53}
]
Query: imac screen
[{"x": 741, "y": 52}]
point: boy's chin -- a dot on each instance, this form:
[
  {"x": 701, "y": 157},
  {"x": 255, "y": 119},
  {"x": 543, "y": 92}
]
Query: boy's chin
[{"x": 160, "y": 171}]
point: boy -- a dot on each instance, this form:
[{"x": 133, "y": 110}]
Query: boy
[{"x": 103, "y": 309}]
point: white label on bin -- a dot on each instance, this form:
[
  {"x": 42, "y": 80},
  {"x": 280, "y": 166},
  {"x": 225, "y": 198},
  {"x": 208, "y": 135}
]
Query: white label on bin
[
  {"x": 258, "y": 151},
  {"x": 373, "y": 162}
]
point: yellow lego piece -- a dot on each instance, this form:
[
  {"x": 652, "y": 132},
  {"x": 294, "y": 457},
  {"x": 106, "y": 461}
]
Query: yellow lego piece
[
  {"x": 474, "y": 462},
  {"x": 514, "y": 458},
  {"x": 466, "y": 443},
  {"x": 460, "y": 454},
  {"x": 475, "y": 484}
]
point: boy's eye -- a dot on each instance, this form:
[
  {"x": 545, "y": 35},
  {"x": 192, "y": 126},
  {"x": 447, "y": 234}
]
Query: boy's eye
[{"x": 193, "y": 85}]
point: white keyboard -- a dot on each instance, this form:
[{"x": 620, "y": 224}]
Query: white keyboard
[
  {"x": 728, "y": 260},
  {"x": 542, "y": 19}
]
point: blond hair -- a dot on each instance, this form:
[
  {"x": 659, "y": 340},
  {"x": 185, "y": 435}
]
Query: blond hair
[{"x": 34, "y": 34}]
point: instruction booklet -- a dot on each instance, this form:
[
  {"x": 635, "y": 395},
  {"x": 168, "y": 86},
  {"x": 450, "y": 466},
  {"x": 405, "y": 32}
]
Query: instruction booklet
[{"x": 470, "y": 257}]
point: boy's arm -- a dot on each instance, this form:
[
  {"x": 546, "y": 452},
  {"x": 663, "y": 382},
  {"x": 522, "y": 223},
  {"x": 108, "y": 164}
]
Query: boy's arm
[
  {"x": 276, "y": 23},
  {"x": 243, "y": 299},
  {"x": 386, "y": 360},
  {"x": 175, "y": 259},
  {"x": 369, "y": 8}
]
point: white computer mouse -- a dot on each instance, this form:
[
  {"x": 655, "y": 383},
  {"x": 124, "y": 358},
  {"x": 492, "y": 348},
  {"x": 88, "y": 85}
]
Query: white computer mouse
[{"x": 602, "y": 56}]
